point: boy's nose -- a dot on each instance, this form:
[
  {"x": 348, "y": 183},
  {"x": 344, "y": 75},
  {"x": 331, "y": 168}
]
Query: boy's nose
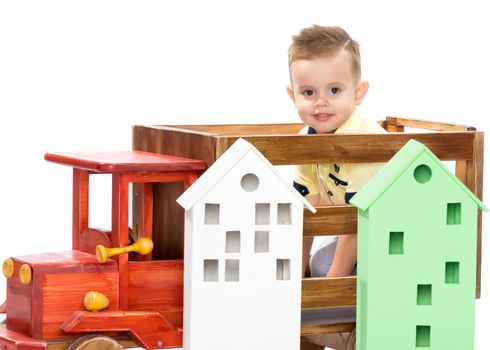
[{"x": 321, "y": 102}]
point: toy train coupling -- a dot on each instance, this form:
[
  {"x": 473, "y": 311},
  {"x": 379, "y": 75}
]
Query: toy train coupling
[{"x": 142, "y": 246}]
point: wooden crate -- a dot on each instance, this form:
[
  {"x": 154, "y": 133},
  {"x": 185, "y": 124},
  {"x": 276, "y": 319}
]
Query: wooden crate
[{"x": 282, "y": 145}]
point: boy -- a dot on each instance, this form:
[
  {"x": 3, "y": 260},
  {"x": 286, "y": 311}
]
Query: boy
[{"x": 326, "y": 88}]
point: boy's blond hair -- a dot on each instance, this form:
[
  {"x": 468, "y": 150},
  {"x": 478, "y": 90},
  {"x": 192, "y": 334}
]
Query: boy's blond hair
[{"x": 318, "y": 41}]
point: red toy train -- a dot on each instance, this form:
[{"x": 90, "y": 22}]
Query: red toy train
[{"x": 53, "y": 298}]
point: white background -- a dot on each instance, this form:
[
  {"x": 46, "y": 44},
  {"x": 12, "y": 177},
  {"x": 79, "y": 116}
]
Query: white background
[{"x": 76, "y": 75}]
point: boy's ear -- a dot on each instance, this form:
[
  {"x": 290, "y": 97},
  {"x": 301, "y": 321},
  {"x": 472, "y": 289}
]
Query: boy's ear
[
  {"x": 290, "y": 92},
  {"x": 361, "y": 90}
]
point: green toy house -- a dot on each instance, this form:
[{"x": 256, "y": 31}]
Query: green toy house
[{"x": 417, "y": 234}]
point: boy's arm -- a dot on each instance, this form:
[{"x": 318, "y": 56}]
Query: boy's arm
[
  {"x": 345, "y": 256},
  {"x": 308, "y": 241}
]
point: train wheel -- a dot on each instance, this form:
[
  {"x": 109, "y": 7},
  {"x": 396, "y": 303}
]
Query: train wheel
[
  {"x": 95, "y": 342},
  {"x": 351, "y": 341}
]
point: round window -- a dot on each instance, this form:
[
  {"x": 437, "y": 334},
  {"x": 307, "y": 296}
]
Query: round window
[
  {"x": 422, "y": 173},
  {"x": 250, "y": 182}
]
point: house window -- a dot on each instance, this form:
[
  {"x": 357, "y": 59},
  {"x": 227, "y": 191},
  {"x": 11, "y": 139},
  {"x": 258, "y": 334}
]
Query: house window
[
  {"x": 232, "y": 242},
  {"x": 396, "y": 243},
  {"x": 284, "y": 213},
  {"x": 232, "y": 270},
  {"x": 210, "y": 270},
  {"x": 422, "y": 173},
  {"x": 422, "y": 337},
  {"x": 453, "y": 215},
  {"x": 211, "y": 214},
  {"x": 249, "y": 182},
  {"x": 282, "y": 270},
  {"x": 261, "y": 241},
  {"x": 424, "y": 294},
  {"x": 262, "y": 213},
  {"x": 452, "y": 272}
]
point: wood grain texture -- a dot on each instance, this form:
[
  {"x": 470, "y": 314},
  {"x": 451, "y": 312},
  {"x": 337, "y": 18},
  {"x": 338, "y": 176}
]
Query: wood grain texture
[
  {"x": 477, "y": 173},
  {"x": 148, "y": 328},
  {"x": 63, "y": 294},
  {"x": 92, "y": 237},
  {"x": 330, "y": 328},
  {"x": 425, "y": 124},
  {"x": 10, "y": 340},
  {"x": 80, "y": 205},
  {"x": 120, "y": 189},
  {"x": 240, "y": 129},
  {"x": 145, "y": 215},
  {"x": 19, "y": 297},
  {"x": 168, "y": 227},
  {"x": 365, "y": 148},
  {"x": 26, "y": 309},
  {"x": 328, "y": 292},
  {"x": 330, "y": 220},
  {"x": 159, "y": 286},
  {"x": 125, "y": 161}
]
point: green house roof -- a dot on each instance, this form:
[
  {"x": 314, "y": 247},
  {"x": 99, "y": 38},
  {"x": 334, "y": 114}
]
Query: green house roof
[{"x": 389, "y": 173}]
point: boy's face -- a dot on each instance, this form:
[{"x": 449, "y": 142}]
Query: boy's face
[{"x": 325, "y": 91}]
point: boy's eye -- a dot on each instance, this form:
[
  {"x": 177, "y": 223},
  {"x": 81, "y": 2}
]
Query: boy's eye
[
  {"x": 308, "y": 92},
  {"x": 335, "y": 90}
]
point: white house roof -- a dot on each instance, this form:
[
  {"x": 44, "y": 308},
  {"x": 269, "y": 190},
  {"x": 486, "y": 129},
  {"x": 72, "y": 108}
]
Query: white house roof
[{"x": 221, "y": 167}]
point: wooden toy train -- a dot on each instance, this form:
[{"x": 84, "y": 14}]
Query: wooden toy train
[{"x": 51, "y": 298}]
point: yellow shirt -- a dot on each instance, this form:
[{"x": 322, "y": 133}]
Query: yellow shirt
[{"x": 338, "y": 182}]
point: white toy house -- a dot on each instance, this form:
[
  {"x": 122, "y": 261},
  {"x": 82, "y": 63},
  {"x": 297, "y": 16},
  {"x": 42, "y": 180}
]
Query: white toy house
[{"x": 242, "y": 260}]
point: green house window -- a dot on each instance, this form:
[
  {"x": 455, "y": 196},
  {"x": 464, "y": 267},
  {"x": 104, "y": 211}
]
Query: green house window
[
  {"x": 452, "y": 272},
  {"x": 422, "y": 338},
  {"x": 424, "y": 294},
  {"x": 453, "y": 216},
  {"x": 396, "y": 243}
]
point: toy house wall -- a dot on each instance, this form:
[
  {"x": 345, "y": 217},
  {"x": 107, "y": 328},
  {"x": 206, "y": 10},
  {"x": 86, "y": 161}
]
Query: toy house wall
[
  {"x": 408, "y": 270},
  {"x": 258, "y": 309}
]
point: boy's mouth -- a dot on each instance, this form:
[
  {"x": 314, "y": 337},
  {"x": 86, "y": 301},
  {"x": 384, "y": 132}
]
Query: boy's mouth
[{"x": 323, "y": 116}]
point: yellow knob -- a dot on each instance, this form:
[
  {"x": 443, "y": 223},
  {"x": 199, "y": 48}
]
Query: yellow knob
[
  {"x": 95, "y": 301},
  {"x": 8, "y": 268},
  {"x": 25, "y": 274}
]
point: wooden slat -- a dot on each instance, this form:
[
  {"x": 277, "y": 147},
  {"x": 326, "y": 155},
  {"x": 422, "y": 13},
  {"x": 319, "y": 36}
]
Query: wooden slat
[
  {"x": 149, "y": 328},
  {"x": 80, "y": 205},
  {"x": 63, "y": 294},
  {"x": 317, "y": 149},
  {"x": 426, "y": 124},
  {"x": 330, "y": 328},
  {"x": 159, "y": 286},
  {"x": 330, "y": 220},
  {"x": 240, "y": 129},
  {"x": 119, "y": 236},
  {"x": 477, "y": 173},
  {"x": 328, "y": 292}
]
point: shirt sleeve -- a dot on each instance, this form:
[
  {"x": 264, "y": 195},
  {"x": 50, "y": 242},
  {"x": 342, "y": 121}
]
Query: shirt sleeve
[
  {"x": 359, "y": 174},
  {"x": 306, "y": 175}
]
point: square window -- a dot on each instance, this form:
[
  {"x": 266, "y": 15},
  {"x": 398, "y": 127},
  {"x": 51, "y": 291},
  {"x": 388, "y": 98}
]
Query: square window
[
  {"x": 211, "y": 214},
  {"x": 261, "y": 241},
  {"x": 232, "y": 242},
  {"x": 284, "y": 213},
  {"x": 452, "y": 272},
  {"x": 453, "y": 214},
  {"x": 422, "y": 338},
  {"x": 424, "y": 294},
  {"x": 262, "y": 213},
  {"x": 232, "y": 270},
  {"x": 282, "y": 270},
  {"x": 210, "y": 270},
  {"x": 396, "y": 243}
]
